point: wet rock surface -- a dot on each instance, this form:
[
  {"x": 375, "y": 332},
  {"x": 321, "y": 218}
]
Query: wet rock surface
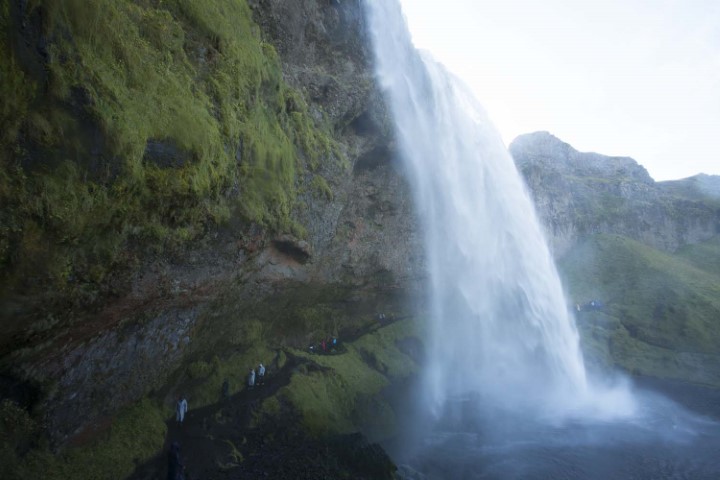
[{"x": 580, "y": 194}]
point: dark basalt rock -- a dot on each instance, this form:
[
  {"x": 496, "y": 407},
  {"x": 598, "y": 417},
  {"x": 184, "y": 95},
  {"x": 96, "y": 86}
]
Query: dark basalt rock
[
  {"x": 298, "y": 250},
  {"x": 165, "y": 154}
]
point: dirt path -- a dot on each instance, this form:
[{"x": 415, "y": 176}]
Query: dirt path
[
  {"x": 219, "y": 441},
  {"x": 210, "y": 436}
]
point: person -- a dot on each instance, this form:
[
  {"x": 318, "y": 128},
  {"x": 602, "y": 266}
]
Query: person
[
  {"x": 261, "y": 374},
  {"x": 181, "y": 409},
  {"x": 251, "y": 378},
  {"x": 226, "y": 389},
  {"x": 323, "y": 345},
  {"x": 176, "y": 469}
]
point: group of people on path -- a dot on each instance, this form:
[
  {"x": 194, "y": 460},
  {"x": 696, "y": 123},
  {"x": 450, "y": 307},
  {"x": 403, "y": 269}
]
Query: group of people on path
[
  {"x": 176, "y": 468},
  {"x": 592, "y": 305},
  {"x": 253, "y": 378},
  {"x": 327, "y": 345},
  {"x": 256, "y": 379}
]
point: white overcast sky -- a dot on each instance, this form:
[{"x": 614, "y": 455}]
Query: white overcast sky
[{"x": 638, "y": 78}]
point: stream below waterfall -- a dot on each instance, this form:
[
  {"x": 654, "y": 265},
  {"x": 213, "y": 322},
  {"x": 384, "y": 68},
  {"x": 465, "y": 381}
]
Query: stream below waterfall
[{"x": 663, "y": 441}]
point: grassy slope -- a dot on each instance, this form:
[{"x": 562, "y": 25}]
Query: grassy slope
[
  {"x": 135, "y": 435},
  {"x": 340, "y": 395},
  {"x": 662, "y": 315},
  {"x": 705, "y": 256},
  {"x": 344, "y": 394},
  {"x": 75, "y": 183}
]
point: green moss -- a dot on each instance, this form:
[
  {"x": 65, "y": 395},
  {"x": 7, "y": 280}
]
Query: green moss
[
  {"x": 323, "y": 402},
  {"x": 343, "y": 395},
  {"x": 380, "y": 350},
  {"x": 199, "y": 369},
  {"x": 270, "y": 408},
  {"x": 17, "y": 432},
  {"x": 194, "y": 76},
  {"x": 18, "y": 89},
  {"x": 321, "y": 188},
  {"x": 298, "y": 314},
  {"x": 135, "y": 436},
  {"x": 234, "y": 457},
  {"x": 235, "y": 366}
]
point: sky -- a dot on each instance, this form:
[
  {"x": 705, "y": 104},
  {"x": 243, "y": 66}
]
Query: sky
[{"x": 637, "y": 78}]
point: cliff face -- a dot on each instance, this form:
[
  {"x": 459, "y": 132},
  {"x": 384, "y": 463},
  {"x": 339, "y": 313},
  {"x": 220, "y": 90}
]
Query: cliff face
[
  {"x": 171, "y": 175},
  {"x": 647, "y": 252},
  {"x": 580, "y": 194}
]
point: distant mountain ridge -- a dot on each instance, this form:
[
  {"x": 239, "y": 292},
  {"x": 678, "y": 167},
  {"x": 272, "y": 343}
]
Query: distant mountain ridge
[
  {"x": 700, "y": 187},
  {"x": 578, "y": 194}
]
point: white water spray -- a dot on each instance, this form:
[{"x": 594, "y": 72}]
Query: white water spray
[{"x": 500, "y": 322}]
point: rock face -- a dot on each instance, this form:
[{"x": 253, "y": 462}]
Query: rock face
[
  {"x": 359, "y": 238},
  {"x": 646, "y": 251},
  {"x": 327, "y": 56},
  {"x": 579, "y": 194}
]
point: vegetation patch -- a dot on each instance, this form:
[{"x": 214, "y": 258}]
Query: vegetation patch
[
  {"x": 233, "y": 367},
  {"x": 342, "y": 393},
  {"x": 705, "y": 256},
  {"x": 135, "y": 436},
  {"x": 661, "y": 311}
]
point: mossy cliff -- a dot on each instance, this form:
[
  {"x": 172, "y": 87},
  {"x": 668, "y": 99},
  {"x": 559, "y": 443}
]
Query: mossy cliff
[
  {"x": 136, "y": 123},
  {"x": 185, "y": 187}
]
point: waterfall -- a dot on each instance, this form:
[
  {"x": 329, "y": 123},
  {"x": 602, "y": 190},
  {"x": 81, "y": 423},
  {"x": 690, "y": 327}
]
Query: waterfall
[
  {"x": 504, "y": 372},
  {"x": 500, "y": 324}
]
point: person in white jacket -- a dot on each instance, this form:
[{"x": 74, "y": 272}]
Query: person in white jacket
[
  {"x": 251, "y": 378},
  {"x": 181, "y": 409},
  {"x": 261, "y": 374}
]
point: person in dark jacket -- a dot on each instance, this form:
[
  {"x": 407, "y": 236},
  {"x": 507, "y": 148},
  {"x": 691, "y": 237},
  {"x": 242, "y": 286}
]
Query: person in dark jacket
[
  {"x": 176, "y": 469},
  {"x": 226, "y": 389}
]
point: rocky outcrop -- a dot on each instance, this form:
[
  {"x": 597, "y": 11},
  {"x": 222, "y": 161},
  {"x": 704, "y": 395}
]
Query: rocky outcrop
[
  {"x": 578, "y": 194},
  {"x": 327, "y": 56}
]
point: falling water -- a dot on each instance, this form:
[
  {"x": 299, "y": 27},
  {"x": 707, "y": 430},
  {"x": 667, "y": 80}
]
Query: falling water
[
  {"x": 505, "y": 373},
  {"x": 500, "y": 323}
]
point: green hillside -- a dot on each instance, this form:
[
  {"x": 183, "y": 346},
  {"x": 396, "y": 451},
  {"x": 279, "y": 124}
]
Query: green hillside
[
  {"x": 705, "y": 256},
  {"x": 661, "y": 314}
]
